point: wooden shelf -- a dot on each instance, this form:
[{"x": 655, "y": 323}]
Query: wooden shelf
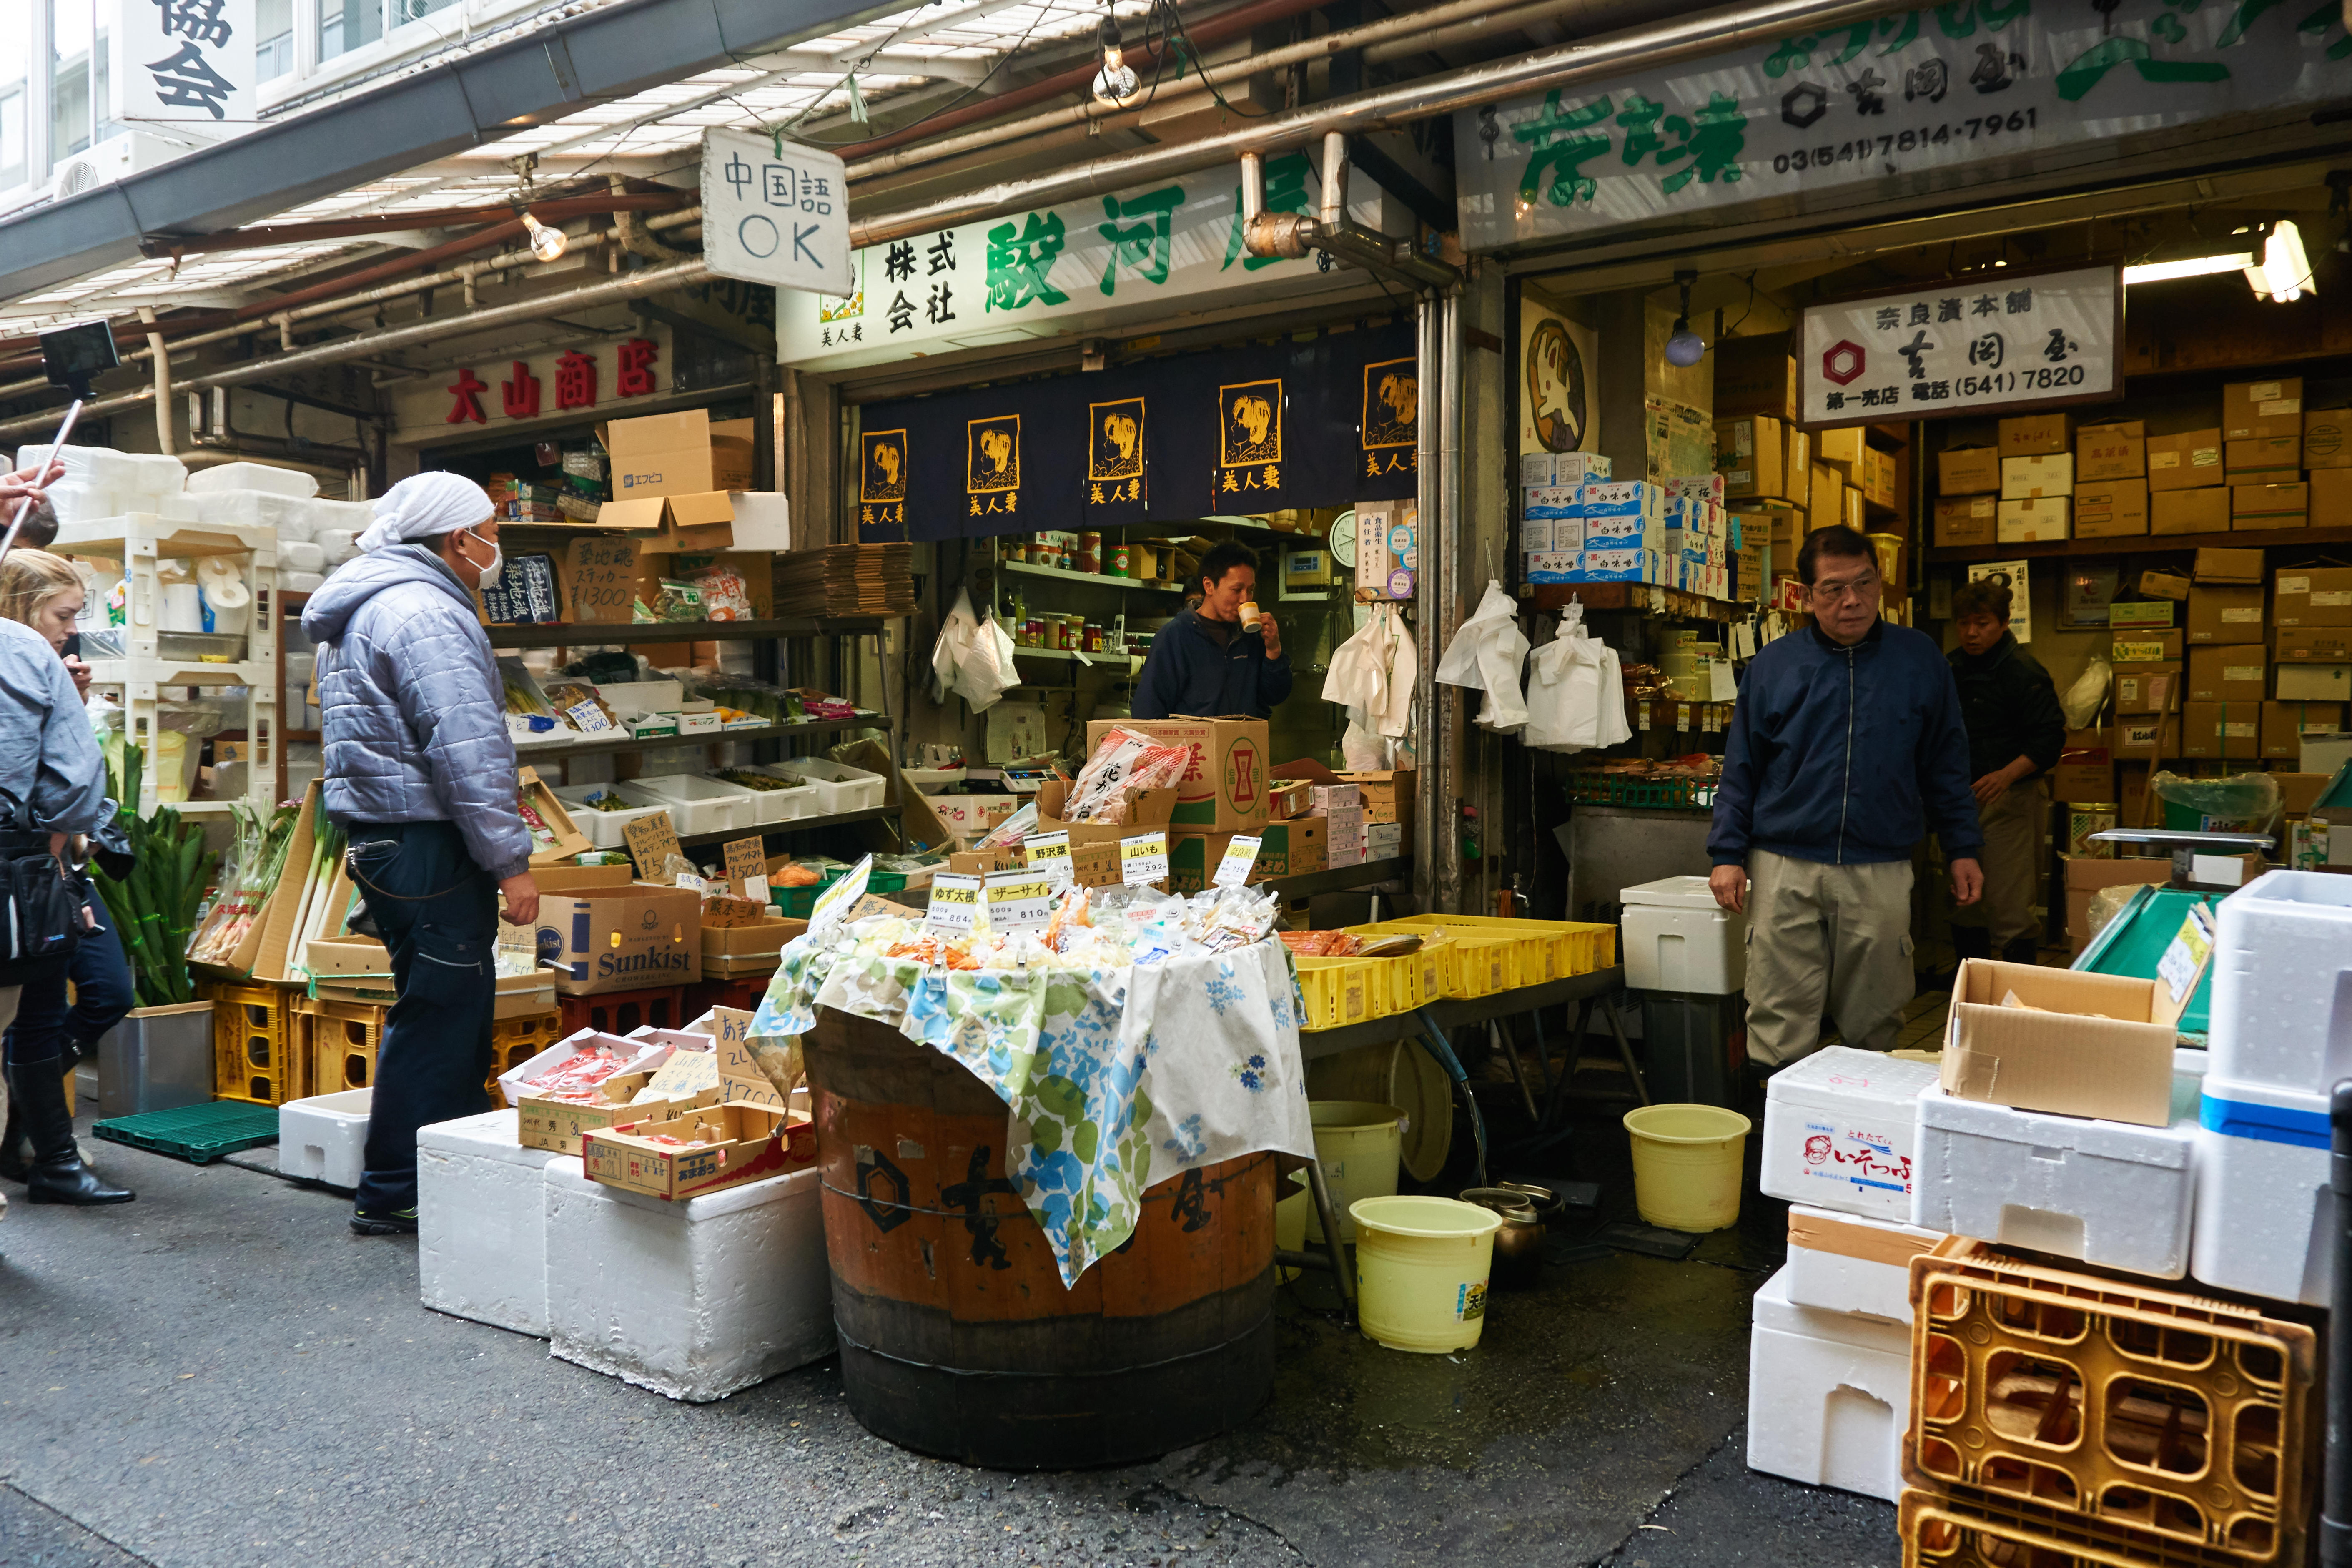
[
  {"x": 1098, "y": 579},
  {"x": 1105, "y": 659},
  {"x": 545, "y": 752},
  {"x": 1646, "y": 597},
  {"x": 2144, "y": 545},
  {"x": 577, "y": 635}
]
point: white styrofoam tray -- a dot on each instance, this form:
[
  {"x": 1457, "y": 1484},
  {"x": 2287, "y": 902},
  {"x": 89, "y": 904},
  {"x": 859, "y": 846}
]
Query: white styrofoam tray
[
  {"x": 2111, "y": 1193},
  {"x": 481, "y": 1223},
  {"x": 694, "y": 1300},
  {"x": 1829, "y": 1395},
  {"x": 1837, "y": 1283},
  {"x": 644, "y": 1055},
  {"x": 696, "y": 805},
  {"x": 2282, "y": 1006},
  {"x": 605, "y": 829},
  {"x": 1841, "y": 1132},
  {"x": 324, "y": 1138},
  {"x": 2265, "y": 1213}
]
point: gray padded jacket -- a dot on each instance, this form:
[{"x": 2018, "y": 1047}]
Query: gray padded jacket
[
  {"x": 51, "y": 774},
  {"x": 412, "y": 707}
]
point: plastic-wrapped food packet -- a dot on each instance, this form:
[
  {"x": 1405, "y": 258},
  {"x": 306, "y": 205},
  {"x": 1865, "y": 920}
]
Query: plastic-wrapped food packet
[{"x": 725, "y": 596}]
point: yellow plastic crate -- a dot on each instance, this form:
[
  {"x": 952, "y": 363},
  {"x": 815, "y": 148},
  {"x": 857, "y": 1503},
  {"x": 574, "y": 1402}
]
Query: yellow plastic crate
[
  {"x": 253, "y": 1039},
  {"x": 1469, "y": 962},
  {"x": 1555, "y": 950},
  {"x": 1338, "y": 991}
]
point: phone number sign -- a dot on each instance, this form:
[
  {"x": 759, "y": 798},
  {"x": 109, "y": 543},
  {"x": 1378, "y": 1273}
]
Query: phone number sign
[{"x": 1994, "y": 339}]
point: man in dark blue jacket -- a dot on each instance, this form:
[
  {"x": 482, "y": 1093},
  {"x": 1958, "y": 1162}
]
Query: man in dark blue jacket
[
  {"x": 1847, "y": 745},
  {"x": 1205, "y": 662}
]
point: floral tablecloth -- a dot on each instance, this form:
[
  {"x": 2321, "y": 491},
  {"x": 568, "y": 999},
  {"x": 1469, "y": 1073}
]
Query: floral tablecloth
[{"x": 1117, "y": 1079}]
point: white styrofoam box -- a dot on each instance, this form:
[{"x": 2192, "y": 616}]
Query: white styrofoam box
[
  {"x": 605, "y": 829},
  {"x": 324, "y": 1138},
  {"x": 253, "y": 476},
  {"x": 1842, "y": 1130},
  {"x": 629, "y": 697},
  {"x": 695, "y": 805},
  {"x": 302, "y": 556},
  {"x": 839, "y": 787},
  {"x": 288, "y": 517},
  {"x": 339, "y": 543},
  {"x": 2265, "y": 1214},
  {"x": 1829, "y": 1395},
  {"x": 694, "y": 1300},
  {"x": 643, "y": 1056},
  {"x": 481, "y": 1223},
  {"x": 1678, "y": 938},
  {"x": 764, "y": 519},
  {"x": 1832, "y": 1282},
  {"x": 2282, "y": 1006},
  {"x": 302, "y": 582},
  {"x": 131, "y": 473},
  {"x": 351, "y": 515},
  {"x": 82, "y": 501},
  {"x": 2112, "y": 1194},
  {"x": 786, "y": 805}
]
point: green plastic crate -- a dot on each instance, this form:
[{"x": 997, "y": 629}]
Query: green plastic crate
[
  {"x": 2134, "y": 941},
  {"x": 799, "y": 903},
  {"x": 196, "y": 1133}
]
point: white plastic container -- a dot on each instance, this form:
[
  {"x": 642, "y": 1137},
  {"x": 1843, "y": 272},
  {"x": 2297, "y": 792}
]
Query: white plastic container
[
  {"x": 1678, "y": 938},
  {"x": 643, "y": 1056},
  {"x": 2111, "y": 1193},
  {"x": 1829, "y": 1395},
  {"x": 1853, "y": 1272},
  {"x": 839, "y": 788},
  {"x": 481, "y": 1223},
  {"x": 773, "y": 805},
  {"x": 1842, "y": 1130},
  {"x": 324, "y": 1138},
  {"x": 2265, "y": 1215},
  {"x": 629, "y": 697},
  {"x": 605, "y": 829},
  {"x": 695, "y": 1299},
  {"x": 2282, "y": 1007},
  {"x": 696, "y": 805},
  {"x": 252, "y": 476}
]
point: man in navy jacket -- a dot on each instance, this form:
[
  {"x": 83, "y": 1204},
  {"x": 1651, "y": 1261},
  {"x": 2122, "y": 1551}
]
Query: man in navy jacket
[
  {"x": 1847, "y": 745},
  {"x": 1204, "y": 663}
]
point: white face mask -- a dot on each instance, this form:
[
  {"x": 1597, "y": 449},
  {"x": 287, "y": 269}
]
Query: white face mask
[{"x": 498, "y": 559}]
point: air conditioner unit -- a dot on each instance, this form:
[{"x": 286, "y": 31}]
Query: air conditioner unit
[{"x": 118, "y": 156}]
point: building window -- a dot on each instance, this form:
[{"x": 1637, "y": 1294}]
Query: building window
[
  {"x": 413, "y": 10},
  {"x": 13, "y": 172},
  {"x": 348, "y": 25},
  {"x": 274, "y": 26},
  {"x": 71, "y": 42}
]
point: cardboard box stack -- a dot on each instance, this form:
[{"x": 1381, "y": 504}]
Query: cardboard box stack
[{"x": 1673, "y": 532}]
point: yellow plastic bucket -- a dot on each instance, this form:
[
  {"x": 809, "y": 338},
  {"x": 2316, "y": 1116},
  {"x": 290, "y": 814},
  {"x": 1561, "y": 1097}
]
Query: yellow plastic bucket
[
  {"x": 1687, "y": 1164},
  {"x": 1400, "y": 1073},
  {"x": 1358, "y": 1144},
  {"x": 1420, "y": 1271}
]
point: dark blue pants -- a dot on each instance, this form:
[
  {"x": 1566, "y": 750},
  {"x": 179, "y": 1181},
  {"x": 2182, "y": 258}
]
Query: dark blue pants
[
  {"x": 102, "y": 995},
  {"x": 437, "y": 913}
]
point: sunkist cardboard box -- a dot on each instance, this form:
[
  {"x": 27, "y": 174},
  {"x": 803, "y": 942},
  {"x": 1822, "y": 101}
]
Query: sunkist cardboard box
[
  {"x": 1223, "y": 789},
  {"x": 624, "y": 936},
  {"x": 2077, "y": 1044}
]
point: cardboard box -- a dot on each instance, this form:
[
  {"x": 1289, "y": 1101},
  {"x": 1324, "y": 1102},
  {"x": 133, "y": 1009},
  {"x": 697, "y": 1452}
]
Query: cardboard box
[
  {"x": 1968, "y": 471},
  {"x": 2111, "y": 508},
  {"x": 1146, "y": 809},
  {"x": 1225, "y": 785},
  {"x": 2225, "y": 613},
  {"x": 2312, "y": 596},
  {"x": 2298, "y": 793},
  {"x": 2331, "y": 497},
  {"x": 562, "y": 1124},
  {"x": 1825, "y": 493},
  {"x": 555, "y": 839},
  {"x": 2221, "y": 729},
  {"x": 2326, "y": 438},
  {"x": 1881, "y": 481},
  {"x": 1289, "y": 798},
  {"x": 731, "y": 1143},
  {"x": 2143, "y": 615},
  {"x": 2117, "y": 451},
  {"x": 2263, "y": 454},
  {"x": 2037, "y": 478},
  {"x": 2269, "y": 506},
  {"x": 624, "y": 938},
  {"x": 1842, "y": 449},
  {"x": 980, "y": 862},
  {"x": 2156, "y": 585},
  {"x": 2253, "y": 409},
  {"x": 1387, "y": 798},
  {"x": 2190, "y": 460},
  {"x": 2032, "y": 434},
  {"x": 1966, "y": 519},
  {"x": 2311, "y": 645},
  {"x": 2143, "y": 738},
  {"x": 2086, "y": 769},
  {"x": 2188, "y": 511},
  {"x": 2146, "y": 689},
  {"x": 1751, "y": 455},
  {"x": 2314, "y": 682},
  {"x": 1755, "y": 375},
  {"x": 2229, "y": 566},
  {"x": 1193, "y": 857},
  {"x": 2085, "y": 875},
  {"x": 753, "y": 949},
  {"x": 2032, "y": 521},
  {"x": 2082, "y": 1045},
  {"x": 2284, "y": 724},
  {"x": 2146, "y": 646},
  {"x": 2235, "y": 672}
]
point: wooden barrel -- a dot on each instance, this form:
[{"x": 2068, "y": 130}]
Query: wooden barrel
[{"x": 958, "y": 1337}]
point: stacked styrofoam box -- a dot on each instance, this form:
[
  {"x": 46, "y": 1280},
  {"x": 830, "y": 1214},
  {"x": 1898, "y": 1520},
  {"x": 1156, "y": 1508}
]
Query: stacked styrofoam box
[
  {"x": 1829, "y": 1394},
  {"x": 100, "y": 482},
  {"x": 481, "y": 1223},
  {"x": 2282, "y": 1037},
  {"x": 324, "y": 1138},
  {"x": 694, "y": 1299},
  {"x": 1855, "y": 1267},
  {"x": 2110, "y": 1194},
  {"x": 1841, "y": 1130},
  {"x": 266, "y": 477}
]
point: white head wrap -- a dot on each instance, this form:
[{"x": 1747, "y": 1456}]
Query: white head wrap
[{"x": 423, "y": 506}]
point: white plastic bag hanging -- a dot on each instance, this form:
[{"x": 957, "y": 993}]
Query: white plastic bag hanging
[
  {"x": 957, "y": 634},
  {"x": 973, "y": 658},
  {"x": 1487, "y": 653},
  {"x": 1358, "y": 672},
  {"x": 2087, "y": 695},
  {"x": 1576, "y": 694}
]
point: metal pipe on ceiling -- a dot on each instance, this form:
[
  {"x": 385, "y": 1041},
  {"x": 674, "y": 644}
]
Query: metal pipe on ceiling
[{"x": 556, "y": 210}]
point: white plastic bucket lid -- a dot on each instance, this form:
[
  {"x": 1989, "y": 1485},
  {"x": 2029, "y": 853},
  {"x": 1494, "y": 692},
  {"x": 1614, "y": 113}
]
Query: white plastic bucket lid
[{"x": 1676, "y": 892}]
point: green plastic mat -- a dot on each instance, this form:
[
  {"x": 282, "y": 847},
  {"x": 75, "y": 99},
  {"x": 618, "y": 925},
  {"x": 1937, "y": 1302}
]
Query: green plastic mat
[
  {"x": 196, "y": 1133},
  {"x": 2134, "y": 941}
]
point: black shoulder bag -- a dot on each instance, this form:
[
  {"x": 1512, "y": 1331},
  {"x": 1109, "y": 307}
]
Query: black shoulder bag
[{"x": 44, "y": 906}]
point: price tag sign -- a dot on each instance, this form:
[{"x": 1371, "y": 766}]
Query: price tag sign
[
  {"x": 587, "y": 718},
  {"x": 746, "y": 868},
  {"x": 1049, "y": 856},
  {"x": 652, "y": 840},
  {"x": 955, "y": 903},
  {"x": 833, "y": 903},
  {"x": 1019, "y": 901},
  {"x": 1143, "y": 859},
  {"x": 602, "y": 578},
  {"x": 1241, "y": 854}
]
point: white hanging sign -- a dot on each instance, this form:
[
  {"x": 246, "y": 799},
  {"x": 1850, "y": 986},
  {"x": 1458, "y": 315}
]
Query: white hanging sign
[
  {"x": 775, "y": 217},
  {"x": 188, "y": 62}
]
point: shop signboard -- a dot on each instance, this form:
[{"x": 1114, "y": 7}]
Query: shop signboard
[
  {"x": 775, "y": 212},
  {"x": 1999, "y": 340},
  {"x": 184, "y": 62},
  {"x": 585, "y": 380},
  {"x": 1079, "y": 267},
  {"x": 1932, "y": 98}
]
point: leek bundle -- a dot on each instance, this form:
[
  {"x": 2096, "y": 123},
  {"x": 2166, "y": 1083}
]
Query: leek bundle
[{"x": 154, "y": 908}]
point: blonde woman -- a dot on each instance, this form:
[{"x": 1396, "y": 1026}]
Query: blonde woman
[{"x": 44, "y": 592}]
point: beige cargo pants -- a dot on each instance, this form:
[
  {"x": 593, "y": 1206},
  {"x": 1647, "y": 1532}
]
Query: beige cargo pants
[
  {"x": 2012, "y": 861},
  {"x": 1833, "y": 939}
]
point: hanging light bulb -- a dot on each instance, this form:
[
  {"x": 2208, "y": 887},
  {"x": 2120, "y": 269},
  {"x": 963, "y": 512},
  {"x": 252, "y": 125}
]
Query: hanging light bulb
[
  {"x": 2284, "y": 274},
  {"x": 1685, "y": 348},
  {"x": 1115, "y": 83},
  {"x": 546, "y": 244}
]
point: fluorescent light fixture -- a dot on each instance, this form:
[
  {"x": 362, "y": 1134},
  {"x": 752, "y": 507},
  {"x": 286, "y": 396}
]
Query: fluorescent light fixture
[
  {"x": 2285, "y": 273},
  {"x": 2194, "y": 267}
]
